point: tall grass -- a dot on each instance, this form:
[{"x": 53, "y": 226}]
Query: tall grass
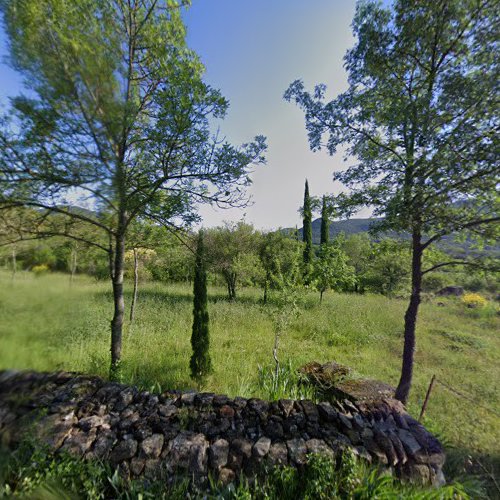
[{"x": 46, "y": 324}]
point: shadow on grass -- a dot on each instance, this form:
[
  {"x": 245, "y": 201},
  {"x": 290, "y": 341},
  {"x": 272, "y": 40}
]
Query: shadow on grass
[{"x": 174, "y": 297}]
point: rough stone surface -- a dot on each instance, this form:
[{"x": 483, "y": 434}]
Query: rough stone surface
[{"x": 145, "y": 434}]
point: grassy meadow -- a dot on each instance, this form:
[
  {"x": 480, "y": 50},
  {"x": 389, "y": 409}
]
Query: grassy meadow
[{"x": 46, "y": 324}]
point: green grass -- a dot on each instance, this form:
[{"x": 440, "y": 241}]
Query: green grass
[{"x": 45, "y": 324}]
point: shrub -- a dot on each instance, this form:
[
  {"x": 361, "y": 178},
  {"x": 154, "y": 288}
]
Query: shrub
[
  {"x": 40, "y": 269},
  {"x": 474, "y": 300}
]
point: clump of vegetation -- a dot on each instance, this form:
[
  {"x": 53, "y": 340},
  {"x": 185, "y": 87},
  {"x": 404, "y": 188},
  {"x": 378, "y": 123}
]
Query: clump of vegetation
[
  {"x": 474, "y": 300},
  {"x": 33, "y": 472},
  {"x": 40, "y": 269}
]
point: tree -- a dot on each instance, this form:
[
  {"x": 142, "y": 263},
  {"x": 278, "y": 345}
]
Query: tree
[
  {"x": 307, "y": 232},
  {"x": 201, "y": 364},
  {"x": 325, "y": 223},
  {"x": 358, "y": 248},
  {"x": 331, "y": 270},
  {"x": 279, "y": 255},
  {"x": 420, "y": 116},
  {"x": 118, "y": 118},
  {"x": 232, "y": 252}
]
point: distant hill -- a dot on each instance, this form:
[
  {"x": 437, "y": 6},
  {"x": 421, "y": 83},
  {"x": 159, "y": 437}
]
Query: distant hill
[
  {"x": 350, "y": 226},
  {"x": 354, "y": 226}
]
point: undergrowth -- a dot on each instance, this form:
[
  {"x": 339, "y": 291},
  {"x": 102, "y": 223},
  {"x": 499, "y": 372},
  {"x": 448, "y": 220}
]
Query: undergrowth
[{"x": 33, "y": 472}]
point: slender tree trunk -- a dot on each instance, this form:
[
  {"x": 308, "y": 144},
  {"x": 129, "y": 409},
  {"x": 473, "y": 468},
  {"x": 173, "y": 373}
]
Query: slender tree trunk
[
  {"x": 404, "y": 386},
  {"x": 136, "y": 281},
  {"x": 72, "y": 265},
  {"x": 265, "y": 291},
  {"x": 119, "y": 306},
  {"x": 14, "y": 263},
  {"x": 321, "y": 296}
]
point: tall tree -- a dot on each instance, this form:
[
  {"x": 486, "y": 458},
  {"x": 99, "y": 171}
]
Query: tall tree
[
  {"x": 307, "y": 229},
  {"x": 421, "y": 117},
  {"x": 325, "y": 223},
  {"x": 201, "y": 364},
  {"x": 117, "y": 117}
]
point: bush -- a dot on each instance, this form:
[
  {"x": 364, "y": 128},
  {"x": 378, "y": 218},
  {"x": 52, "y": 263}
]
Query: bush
[
  {"x": 40, "y": 269},
  {"x": 474, "y": 300}
]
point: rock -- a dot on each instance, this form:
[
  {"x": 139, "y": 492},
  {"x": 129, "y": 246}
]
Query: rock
[
  {"x": 167, "y": 410},
  {"x": 88, "y": 423},
  {"x": 410, "y": 444},
  {"x": 188, "y": 451},
  {"x": 261, "y": 447},
  {"x": 297, "y": 450},
  {"x": 124, "y": 450},
  {"x": 151, "y": 447},
  {"x": 310, "y": 410},
  {"x": 137, "y": 466},
  {"x": 455, "y": 291},
  {"x": 226, "y": 476},
  {"x": 79, "y": 441},
  {"x": 327, "y": 412},
  {"x": 319, "y": 447},
  {"x": 152, "y": 468},
  {"x": 102, "y": 446},
  {"x": 218, "y": 454},
  {"x": 345, "y": 421},
  {"x": 278, "y": 454},
  {"x": 226, "y": 411},
  {"x": 286, "y": 405},
  {"x": 54, "y": 429}
]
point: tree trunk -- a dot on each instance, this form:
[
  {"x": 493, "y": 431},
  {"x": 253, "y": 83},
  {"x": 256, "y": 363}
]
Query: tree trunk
[
  {"x": 404, "y": 386},
  {"x": 72, "y": 266},
  {"x": 119, "y": 307},
  {"x": 265, "y": 292},
  {"x": 14, "y": 263},
  {"x": 321, "y": 296},
  {"x": 136, "y": 281}
]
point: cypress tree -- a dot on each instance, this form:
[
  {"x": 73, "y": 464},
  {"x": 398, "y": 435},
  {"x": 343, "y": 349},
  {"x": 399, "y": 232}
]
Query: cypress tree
[
  {"x": 200, "y": 363},
  {"x": 325, "y": 223},
  {"x": 307, "y": 227}
]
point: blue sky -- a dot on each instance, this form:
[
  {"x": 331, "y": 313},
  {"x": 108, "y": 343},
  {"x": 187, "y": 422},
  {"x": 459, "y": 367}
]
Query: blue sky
[{"x": 252, "y": 51}]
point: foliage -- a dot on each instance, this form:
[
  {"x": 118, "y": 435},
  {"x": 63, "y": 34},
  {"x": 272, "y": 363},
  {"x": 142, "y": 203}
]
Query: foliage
[
  {"x": 285, "y": 383},
  {"x": 40, "y": 269},
  {"x": 232, "y": 252},
  {"x": 48, "y": 325},
  {"x": 118, "y": 113},
  {"x": 307, "y": 231},
  {"x": 331, "y": 270},
  {"x": 279, "y": 256},
  {"x": 33, "y": 472},
  {"x": 200, "y": 364},
  {"x": 474, "y": 300},
  {"x": 420, "y": 118}
]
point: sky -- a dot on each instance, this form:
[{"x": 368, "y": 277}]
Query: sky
[{"x": 253, "y": 50}]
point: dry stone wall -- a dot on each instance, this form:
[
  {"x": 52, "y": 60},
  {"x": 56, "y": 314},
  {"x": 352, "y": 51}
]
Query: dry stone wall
[{"x": 200, "y": 433}]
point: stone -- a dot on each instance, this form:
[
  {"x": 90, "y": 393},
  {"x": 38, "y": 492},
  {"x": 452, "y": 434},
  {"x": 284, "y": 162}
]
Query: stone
[
  {"x": 137, "y": 466},
  {"x": 455, "y": 291},
  {"x": 79, "y": 441},
  {"x": 261, "y": 447},
  {"x": 286, "y": 406},
  {"x": 188, "y": 451},
  {"x": 151, "y": 447},
  {"x": 345, "y": 421},
  {"x": 218, "y": 454},
  {"x": 226, "y": 476},
  {"x": 297, "y": 450},
  {"x": 226, "y": 411},
  {"x": 410, "y": 444},
  {"x": 310, "y": 410},
  {"x": 188, "y": 398},
  {"x": 102, "y": 446},
  {"x": 152, "y": 468},
  {"x": 54, "y": 429},
  {"x": 327, "y": 412},
  {"x": 319, "y": 447},
  {"x": 278, "y": 454},
  {"x": 124, "y": 450},
  {"x": 88, "y": 423}
]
